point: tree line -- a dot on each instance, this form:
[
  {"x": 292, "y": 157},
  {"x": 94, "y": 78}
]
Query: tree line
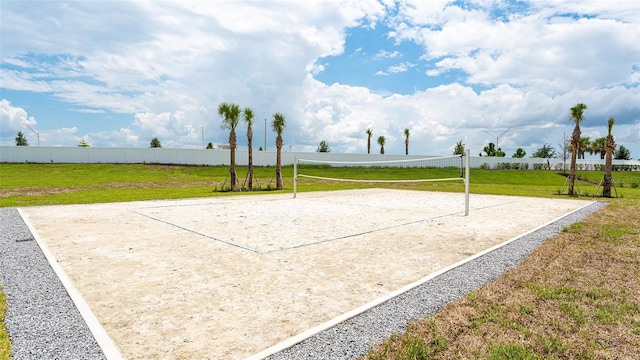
[{"x": 577, "y": 146}]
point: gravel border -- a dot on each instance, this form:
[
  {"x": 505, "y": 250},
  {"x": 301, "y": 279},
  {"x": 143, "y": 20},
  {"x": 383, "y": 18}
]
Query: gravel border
[
  {"x": 44, "y": 323},
  {"x": 354, "y": 338},
  {"x": 42, "y": 320}
]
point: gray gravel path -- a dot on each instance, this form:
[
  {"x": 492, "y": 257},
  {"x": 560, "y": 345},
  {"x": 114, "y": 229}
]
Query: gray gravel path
[{"x": 44, "y": 323}]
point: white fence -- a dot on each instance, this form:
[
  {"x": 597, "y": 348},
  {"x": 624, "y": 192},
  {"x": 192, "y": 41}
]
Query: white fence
[{"x": 44, "y": 154}]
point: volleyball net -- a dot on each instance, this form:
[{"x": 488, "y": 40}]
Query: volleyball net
[{"x": 415, "y": 170}]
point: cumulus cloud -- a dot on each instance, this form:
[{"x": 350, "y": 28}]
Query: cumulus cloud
[
  {"x": 12, "y": 120},
  {"x": 13, "y": 117}
]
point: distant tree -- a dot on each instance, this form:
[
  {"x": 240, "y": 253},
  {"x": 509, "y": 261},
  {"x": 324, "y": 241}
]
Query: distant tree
[
  {"x": 490, "y": 150},
  {"x": 406, "y": 141},
  {"x": 584, "y": 144},
  {"x": 519, "y": 154},
  {"x": 209, "y": 146},
  {"x": 609, "y": 146},
  {"x": 565, "y": 153},
  {"x": 458, "y": 148},
  {"x": 576, "y": 115},
  {"x": 155, "y": 143},
  {"x": 598, "y": 147},
  {"x": 323, "y": 147},
  {"x": 545, "y": 152},
  {"x": 369, "y": 133},
  {"x": 278, "y": 125},
  {"x": 248, "y": 119},
  {"x": 381, "y": 141},
  {"x": 500, "y": 153},
  {"x": 622, "y": 153},
  {"x": 21, "y": 140},
  {"x": 230, "y": 116},
  {"x": 83, "y": 143}
]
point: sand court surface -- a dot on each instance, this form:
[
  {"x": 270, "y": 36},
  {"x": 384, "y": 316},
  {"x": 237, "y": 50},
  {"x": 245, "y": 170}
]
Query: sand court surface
[{"x": 228, "y": 277}]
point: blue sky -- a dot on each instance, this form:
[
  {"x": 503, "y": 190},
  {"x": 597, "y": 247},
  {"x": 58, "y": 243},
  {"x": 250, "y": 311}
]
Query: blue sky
[{"x": 119, "y": 73}]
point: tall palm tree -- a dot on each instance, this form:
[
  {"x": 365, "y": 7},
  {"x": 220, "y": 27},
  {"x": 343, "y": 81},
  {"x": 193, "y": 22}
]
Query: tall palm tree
[
  {"x": 609, "y": 146},
  {"x": 576, "y": 116},
  {"x": 231, "y": 115},
  {"x": 406, "y": 141},
  {"x": 278, "y": 125},
  {"x": 369, "y": 133},
  {"x": 248, "y": 119},
  {"x": 381, "y": 141}
]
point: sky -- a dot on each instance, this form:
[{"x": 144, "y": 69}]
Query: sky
[{"x": 119, "y": 73}]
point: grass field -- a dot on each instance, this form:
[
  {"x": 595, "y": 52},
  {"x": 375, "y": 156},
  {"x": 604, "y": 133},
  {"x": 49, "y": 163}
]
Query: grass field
[{"x": 576, "y": 296}]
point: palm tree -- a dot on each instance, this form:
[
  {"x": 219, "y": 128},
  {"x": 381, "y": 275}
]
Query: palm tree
[
  {"x": 406, "y": 141},
  {"x": 577, "y": 117},
  {"x": 231, "y": 115},
  {"x": 381, "y": 141},
  {"x": 278, "y": 125},
  {"x": 598, "y": 147},
  {"x": 369, "y": 133},
  {"x": 583, "y": 146},
  {"x": 609, "y": 146},
  {"x": 248, "y": 119}
]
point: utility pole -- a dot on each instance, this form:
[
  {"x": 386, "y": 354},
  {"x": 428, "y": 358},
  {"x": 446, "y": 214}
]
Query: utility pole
[
  {"x": 265, "y": 130},
  {"x": 498, "y": 137},
  {"x": 35, "y": 132}
]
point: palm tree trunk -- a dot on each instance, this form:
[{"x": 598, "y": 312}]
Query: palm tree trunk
[
  {"x": 279, "y": 184},
  {"x": 575, "y": 142},
  {"x": 608, "y": 180},
  {"x": 572, "y": 172},
  {"x": 250, "y": 171},
  {"x": 232, "y": 160}
]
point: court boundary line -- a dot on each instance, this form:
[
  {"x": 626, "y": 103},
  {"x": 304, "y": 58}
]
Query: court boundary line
[
  {"x": 196, "y": 232},
  {"x": 103, "y": 339},
  {"x": 298, "y": 246},
  {"x": 292, "y": 341}
]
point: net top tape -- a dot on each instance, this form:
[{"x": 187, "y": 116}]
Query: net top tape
[{"x": 381, "y": 161}]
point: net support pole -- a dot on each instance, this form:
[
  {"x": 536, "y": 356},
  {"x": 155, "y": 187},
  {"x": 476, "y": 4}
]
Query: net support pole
[
  {"x": 467, "y": 161},
  {"x": 295, "y": 175}
]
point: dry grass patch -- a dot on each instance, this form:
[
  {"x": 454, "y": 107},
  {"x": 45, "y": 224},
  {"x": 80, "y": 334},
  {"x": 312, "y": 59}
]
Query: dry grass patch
[
  {"x": 5, "y": 344},
  {"x": 577, "y": 296}
]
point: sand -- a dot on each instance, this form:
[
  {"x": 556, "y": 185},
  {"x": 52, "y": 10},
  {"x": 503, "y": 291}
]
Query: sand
[{"x": 227, "y": 277}]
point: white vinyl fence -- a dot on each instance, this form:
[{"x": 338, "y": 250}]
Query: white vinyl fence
[{"x": 46, "y": 154}]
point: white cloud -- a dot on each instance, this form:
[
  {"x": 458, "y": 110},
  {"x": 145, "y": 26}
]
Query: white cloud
[
  {"x": 402, "y": 67},
  {"x": 12, "y": 120},
  {"x": 383, "y": 54}
]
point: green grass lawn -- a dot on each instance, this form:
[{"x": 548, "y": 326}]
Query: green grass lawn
[
  {"x": 613, "y": 230},
  {"x": 45, "y": 184}
]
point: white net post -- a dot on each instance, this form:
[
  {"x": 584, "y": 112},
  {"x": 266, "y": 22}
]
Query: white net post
[
  {"x": 467, "y": 161},
  {"x": 295, "y": 175}
]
